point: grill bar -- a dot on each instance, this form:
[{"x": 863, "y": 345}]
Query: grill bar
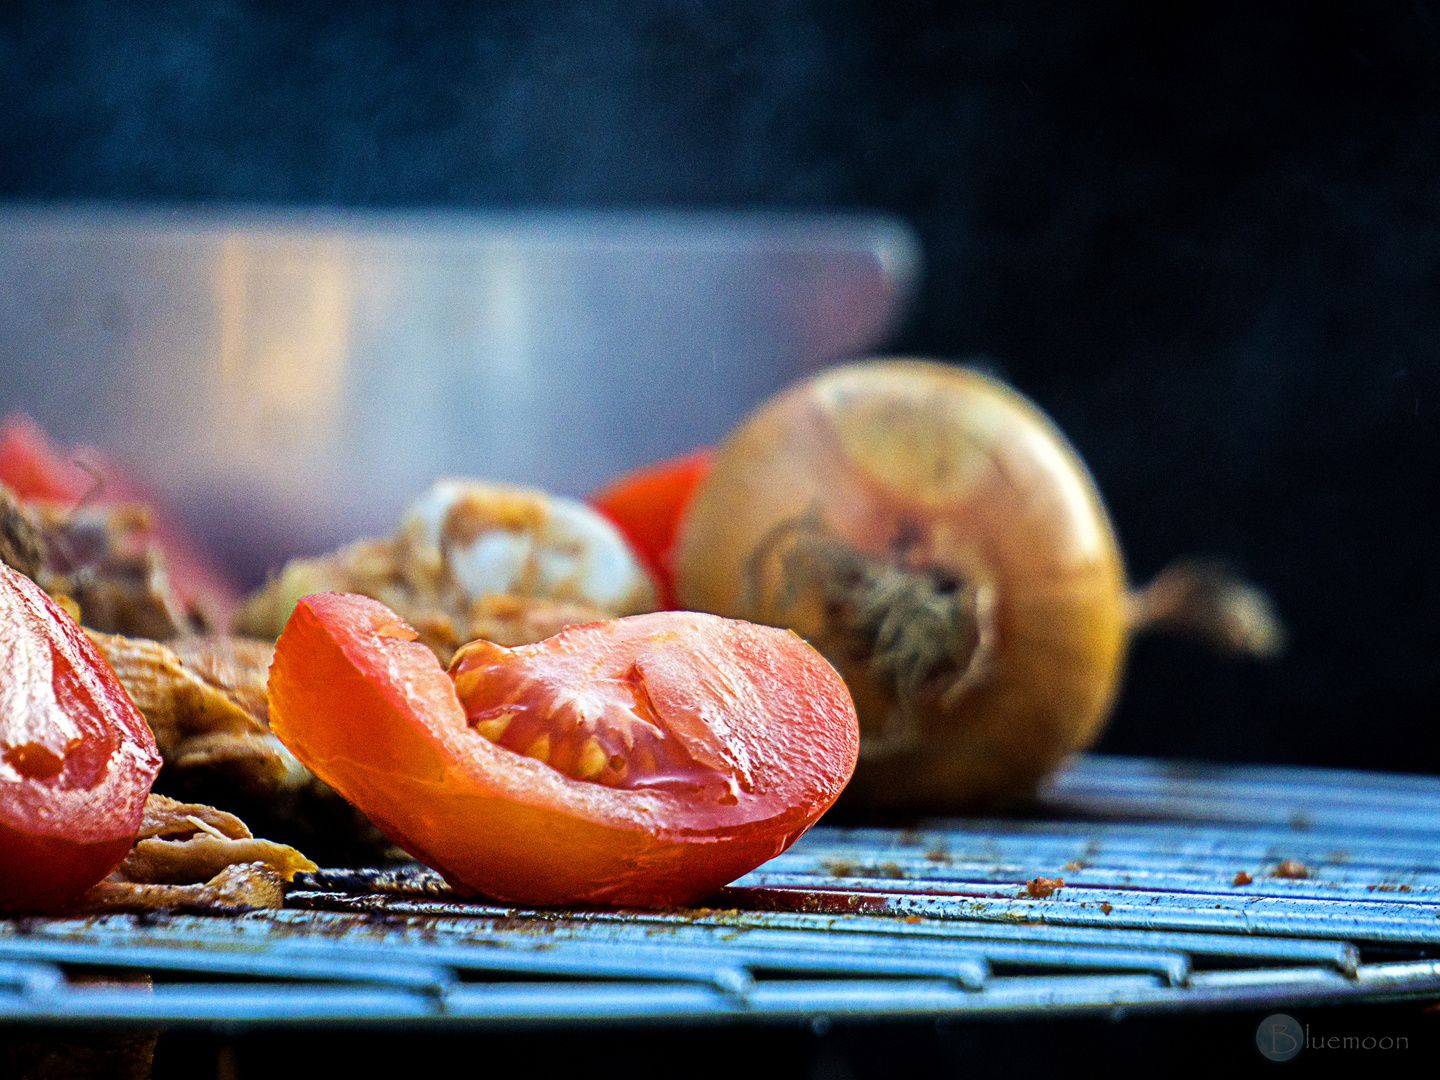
[
  {"x": 850, "y": 922},
  {"x": 293, "y": 1004},
  {"x": 1244, "y": 794},
  {"x": 1001, "y": 943},
  {"x": 1133, "y": 909},
  {"x": 1330, "y": 857},
  {"x": 993, "y": 880}
]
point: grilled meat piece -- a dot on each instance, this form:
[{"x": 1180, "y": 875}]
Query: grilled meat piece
[
  {"x": 186, "y": 843},
  {"x": 103, "y": 559},
  {"x": 241, "y": 887},
  {"x": 22, "y": 547},
  {"x": 204, "y": 698},
  {"x": 444, "y": 617},
  {"x": 188, "y": 855},
  {"x": 474, "y": 560}
]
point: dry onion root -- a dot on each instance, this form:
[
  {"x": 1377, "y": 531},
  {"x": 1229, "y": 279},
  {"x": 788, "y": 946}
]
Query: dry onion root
[{"x": 936, "y": 537}]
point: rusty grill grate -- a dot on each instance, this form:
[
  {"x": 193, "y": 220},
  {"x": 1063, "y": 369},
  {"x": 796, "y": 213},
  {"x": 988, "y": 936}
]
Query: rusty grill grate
[{"x": 1183, "y": 887}]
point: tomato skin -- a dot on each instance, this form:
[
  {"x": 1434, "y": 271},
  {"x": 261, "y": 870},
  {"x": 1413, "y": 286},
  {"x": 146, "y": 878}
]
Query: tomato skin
[
  {"x": 375, "y": 716},
  {"x": 76, "y": 757},
  {"x": 648, "y": 505},
  {"x": 46, "y": 873}
]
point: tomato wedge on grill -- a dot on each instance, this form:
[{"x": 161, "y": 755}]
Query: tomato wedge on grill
[
  {"x": 76, "y": 757},
  {"x": 643, "y": 761}
]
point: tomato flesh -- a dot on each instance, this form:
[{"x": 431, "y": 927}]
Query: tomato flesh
[
  {"x": 643, "y": 761},
  {"x": 598, "y": 725},
  {"x": 76, "y": 757},
  {"x": 648, "y": 506}
]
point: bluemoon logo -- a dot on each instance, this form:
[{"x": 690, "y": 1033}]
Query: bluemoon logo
[{"x": 1279, "y": 1037}]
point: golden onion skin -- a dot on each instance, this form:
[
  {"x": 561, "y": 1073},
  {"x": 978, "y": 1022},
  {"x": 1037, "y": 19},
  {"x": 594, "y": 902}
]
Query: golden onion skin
[{"x": 971, "y": 482}]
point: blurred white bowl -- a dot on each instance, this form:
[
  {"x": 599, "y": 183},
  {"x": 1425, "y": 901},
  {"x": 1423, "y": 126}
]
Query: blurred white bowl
[{"x": 289, "y": 379}]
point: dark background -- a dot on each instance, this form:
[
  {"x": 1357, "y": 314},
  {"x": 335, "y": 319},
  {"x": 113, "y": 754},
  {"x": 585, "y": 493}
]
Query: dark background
[{"x": 1206, "y": 238}]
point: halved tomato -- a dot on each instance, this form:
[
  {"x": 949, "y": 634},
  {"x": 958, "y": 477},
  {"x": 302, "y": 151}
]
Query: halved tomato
[
  {"x": 76, "y": 757},
  {"x": 646, "y": 760}
]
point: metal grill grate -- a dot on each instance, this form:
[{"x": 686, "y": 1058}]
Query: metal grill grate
[{"x": 1183, "y": 888}]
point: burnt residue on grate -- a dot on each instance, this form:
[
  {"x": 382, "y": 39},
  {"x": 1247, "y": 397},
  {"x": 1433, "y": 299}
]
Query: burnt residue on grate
[{"x": 412, "y": 880}]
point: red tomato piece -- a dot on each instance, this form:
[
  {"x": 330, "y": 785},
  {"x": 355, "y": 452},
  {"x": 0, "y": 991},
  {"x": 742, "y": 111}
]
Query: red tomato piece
[
  {"x": 648, "y": 506},
  {"x": 76, "y": 757},
  {"x": 33, "y": 468},
  {"x": 643, "y": 761}
]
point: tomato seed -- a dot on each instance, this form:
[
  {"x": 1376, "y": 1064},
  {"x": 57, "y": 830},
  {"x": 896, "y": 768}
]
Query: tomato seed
[
  {"x": 467, "y": 682},
  {"x": 592, "y": 761},
  {"x": 539, "y": 749},
  {"x": 495, "y": 727}
]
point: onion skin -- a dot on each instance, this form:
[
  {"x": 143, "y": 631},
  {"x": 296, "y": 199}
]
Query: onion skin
[{"x": 943, "y": 470}]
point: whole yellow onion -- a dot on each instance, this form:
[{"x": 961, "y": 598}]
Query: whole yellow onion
[{"x": 937, "y": 538}]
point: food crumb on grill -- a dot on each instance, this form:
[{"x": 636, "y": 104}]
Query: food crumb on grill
[
  {"x": 914, "y": 919},
  {"x": 1242, "y": 878},
  {"x": 1038, "y": 888},
  {"x": 1106, "y": 908},
  {"x": 1291, "y": 868}
]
